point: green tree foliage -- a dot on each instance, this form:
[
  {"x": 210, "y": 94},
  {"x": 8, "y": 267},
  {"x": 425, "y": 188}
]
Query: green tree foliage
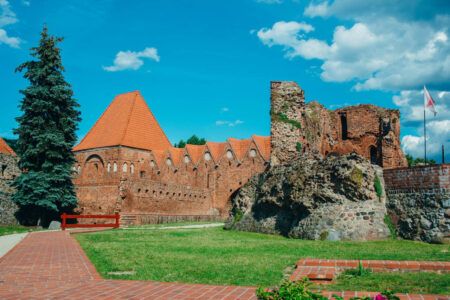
[
  {"x": 418, "y": 161},
  {"x": 193, "y": 140},
  {"x": 46, "y": 136}
]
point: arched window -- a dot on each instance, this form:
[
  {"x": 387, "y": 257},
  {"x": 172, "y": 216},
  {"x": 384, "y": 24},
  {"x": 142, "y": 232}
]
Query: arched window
[
  {"x": 169, "y": 162},
  {"x": 373, "y": 155},
  {"x": 124, "y": 167},
  {"x": 115, "y": 167},
  {"x": 229, "y": 154},
  {"x": 344, "y": 128},
  {"x": 79, "y": 169},
  {"x": 152, "y": 163},
  {"x": 252, "y": 153},
  {"x": 186, "y": 159},
  {"x": 207, "y": 156},
  {"x": 132, "y": 169},
  {"x": 108, "y": 167}
]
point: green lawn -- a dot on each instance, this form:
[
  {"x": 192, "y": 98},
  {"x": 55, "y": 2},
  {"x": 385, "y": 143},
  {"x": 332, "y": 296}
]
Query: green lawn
[
  {"x": 418, "y": 283},
  {"x": 217, "y": 256},
  {"x": 10, "y": 229}
]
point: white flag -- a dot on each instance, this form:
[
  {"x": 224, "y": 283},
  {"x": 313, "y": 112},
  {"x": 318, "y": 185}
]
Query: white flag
[{"x": 428, "y": 101}]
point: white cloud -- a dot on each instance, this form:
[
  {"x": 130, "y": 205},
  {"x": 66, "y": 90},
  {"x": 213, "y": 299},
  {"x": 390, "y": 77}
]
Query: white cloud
[
  {"x": 224, "y": 109},
  {"x": 270, "y": 1},
  {"x": 410, "y": 103},
  {"x": 130, "y": 60},
  {"x": 386, "y": 48},
  {"x": 229, "y": 123},
  {"x": 438, "y": 134},
  {"x": 10, "y": 41},
  {"x": 7, "y": 17}
]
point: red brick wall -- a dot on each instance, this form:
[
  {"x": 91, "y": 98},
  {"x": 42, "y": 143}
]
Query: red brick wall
[
  {"x": 418, "y": 178},
  {"x": 193, "y": 188}
]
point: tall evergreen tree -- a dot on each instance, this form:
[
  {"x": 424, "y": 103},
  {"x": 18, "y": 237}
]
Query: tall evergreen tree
[{"x": 46, "y": 134}]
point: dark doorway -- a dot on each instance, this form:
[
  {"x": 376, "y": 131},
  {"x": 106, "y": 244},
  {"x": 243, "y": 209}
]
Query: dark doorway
[
  {"x": 344, "y": 126},
  {"x": 373, "y": 155}
]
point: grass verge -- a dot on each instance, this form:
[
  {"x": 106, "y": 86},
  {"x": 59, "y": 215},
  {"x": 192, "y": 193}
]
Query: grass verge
[
  {"x": 10, "y": 229},
  {"x": 416, "y": 283},
  {"x": 217, "y": 256}
]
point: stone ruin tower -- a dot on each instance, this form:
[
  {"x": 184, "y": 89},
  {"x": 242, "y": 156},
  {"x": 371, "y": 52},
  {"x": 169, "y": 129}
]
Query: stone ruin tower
[
  {"x": 8, "y": 172},
  {"x": 309, "y": 129}
]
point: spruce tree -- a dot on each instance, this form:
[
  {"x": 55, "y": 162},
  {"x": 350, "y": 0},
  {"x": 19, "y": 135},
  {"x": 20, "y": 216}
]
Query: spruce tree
[{"x": 46, "y": 135}]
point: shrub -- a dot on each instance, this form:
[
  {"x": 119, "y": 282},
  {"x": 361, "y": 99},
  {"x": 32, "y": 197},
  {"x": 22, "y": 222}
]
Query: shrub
[
  {"x": 298, "y": 146},
  {"x": 283, "y": 118},
  {"x": 378, "y": 187},
  {"x": 390, "y": 225},
  {"x": 298, "y": 290}
]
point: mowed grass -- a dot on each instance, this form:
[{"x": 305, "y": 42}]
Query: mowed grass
[
  {"x": 217, "y": 256},
  {"x": 416, "y": 283},
  {"x": 10, "y": 229}
]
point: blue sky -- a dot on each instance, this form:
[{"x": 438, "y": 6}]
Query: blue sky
[{"x": 204, "y": 67}]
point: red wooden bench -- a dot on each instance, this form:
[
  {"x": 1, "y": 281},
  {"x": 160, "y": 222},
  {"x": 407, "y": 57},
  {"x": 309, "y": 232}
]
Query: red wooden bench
[{"x": 65, "y": 216}]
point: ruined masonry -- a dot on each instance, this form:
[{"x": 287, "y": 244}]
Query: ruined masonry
[
  {"x": 126, "y": 163},
  {"x": 8, "y": 172}
]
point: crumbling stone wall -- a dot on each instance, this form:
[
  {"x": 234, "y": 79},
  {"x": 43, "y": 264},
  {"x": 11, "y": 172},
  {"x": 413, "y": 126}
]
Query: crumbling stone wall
[
  {"x": 8, "y": 171},
  {"x": 419, "y": 201},
  {"x": 333, "y": 199},
  {"x": 300, "y": 129}
]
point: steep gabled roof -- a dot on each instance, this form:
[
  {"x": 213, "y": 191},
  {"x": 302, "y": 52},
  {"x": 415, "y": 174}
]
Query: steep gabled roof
[
  {"x": 176, "y": 154},
  {"x": 160, "y": 157},
  {"x": 216, "y": 150},
  {"x": 195, "y": 152},
  {"x": 127, "y": 121},
  {"x": 263, "y": 144},
  {"x": 240, "y": 147},
  {"x": 5, "y": 148}
]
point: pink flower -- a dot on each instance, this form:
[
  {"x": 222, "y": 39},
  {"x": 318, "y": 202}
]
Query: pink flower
[{"x": 379, "y": 297}]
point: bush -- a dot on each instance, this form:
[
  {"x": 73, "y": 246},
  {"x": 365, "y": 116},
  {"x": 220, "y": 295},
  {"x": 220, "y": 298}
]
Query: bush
[
  {"x": 283, "y": 118},
  {"x": 390, "y": 225},
  {"x": 378, "y": 187},
  {"x": 298, "y": 290}
]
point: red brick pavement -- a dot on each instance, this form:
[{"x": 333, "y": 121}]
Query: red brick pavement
[{"x": 52, "y": 265}]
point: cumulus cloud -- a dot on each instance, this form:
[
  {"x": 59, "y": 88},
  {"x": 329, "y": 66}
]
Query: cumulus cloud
[
  {"x": 229, "y": 123},
  {"x": 410, "y": 103},
  {"x": 7, "y": 17},
  {"x": 131, "y": 60},
  {"x": 385, "y": 48}
]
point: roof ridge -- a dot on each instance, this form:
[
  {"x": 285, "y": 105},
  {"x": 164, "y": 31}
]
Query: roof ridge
[{"x": 129, "y": 118}]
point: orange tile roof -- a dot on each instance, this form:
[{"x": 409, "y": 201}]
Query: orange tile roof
[
  {"x": 160, "y": 157},
  {"x": 5, "y": 148},
  {"x": 216, "y": 150},
  {"x": 240, "y": 147},
  {"x": 263, "y": 144},
  {"x": 127, "y": 121},
  {"x": 195, "y": 152},
  {"x": 176, "y": 154}
]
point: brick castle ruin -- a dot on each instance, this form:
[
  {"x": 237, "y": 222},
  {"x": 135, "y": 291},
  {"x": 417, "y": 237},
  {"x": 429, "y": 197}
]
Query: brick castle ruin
[{"x": 126, "y": 163}]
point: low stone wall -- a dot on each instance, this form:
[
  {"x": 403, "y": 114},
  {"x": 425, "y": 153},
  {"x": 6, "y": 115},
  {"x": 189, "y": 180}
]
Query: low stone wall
[{"x": 418, "y": 201}]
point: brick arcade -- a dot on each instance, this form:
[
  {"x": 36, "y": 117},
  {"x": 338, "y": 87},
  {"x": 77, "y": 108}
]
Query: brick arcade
[{"x": 126, "y": 163}]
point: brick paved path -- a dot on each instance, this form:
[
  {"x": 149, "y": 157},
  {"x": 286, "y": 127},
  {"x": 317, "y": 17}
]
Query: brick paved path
[{"x": 52, "y": 265}]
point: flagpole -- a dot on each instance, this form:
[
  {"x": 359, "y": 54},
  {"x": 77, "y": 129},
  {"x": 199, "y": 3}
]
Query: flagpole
[{"x": 425, "y": 134}]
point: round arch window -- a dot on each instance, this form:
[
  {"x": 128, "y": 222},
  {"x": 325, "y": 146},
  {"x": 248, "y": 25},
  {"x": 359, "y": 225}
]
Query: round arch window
[
  {"x": 229, "y": 154},
  {"x": 186, "y": 159},
  {"x": 207, "y": 156},
  {"x": 115, "y": 167},
  {"x": 152, "y": 163},
  {"x": 108, "y": 167},
  {"x": 125, "y": 168},
  {"x": 132, "y": 169},
  {"x": 169, "y": 162},
  {"x": 252, "y": 153}
]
